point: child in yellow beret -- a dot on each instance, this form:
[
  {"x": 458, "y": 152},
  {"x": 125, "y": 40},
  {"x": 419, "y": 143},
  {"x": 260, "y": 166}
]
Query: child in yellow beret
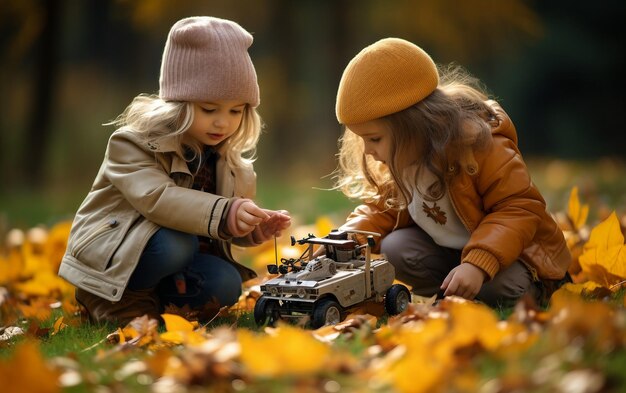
[{"x": 440, "y": 176}]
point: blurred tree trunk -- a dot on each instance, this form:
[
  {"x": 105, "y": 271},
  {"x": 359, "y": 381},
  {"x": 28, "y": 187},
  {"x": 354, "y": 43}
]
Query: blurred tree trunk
[
  {"x": 284, "y": 47},
  {"x": 37, "y": 138},
  {"x": 311, "y": 43}
]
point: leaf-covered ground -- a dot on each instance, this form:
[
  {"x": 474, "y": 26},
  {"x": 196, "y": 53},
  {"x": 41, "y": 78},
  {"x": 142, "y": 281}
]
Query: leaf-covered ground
[{"x": 576, "y": 344}]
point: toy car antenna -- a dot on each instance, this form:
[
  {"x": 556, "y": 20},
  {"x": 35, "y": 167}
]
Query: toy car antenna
[{"x": 275, "y": 270}]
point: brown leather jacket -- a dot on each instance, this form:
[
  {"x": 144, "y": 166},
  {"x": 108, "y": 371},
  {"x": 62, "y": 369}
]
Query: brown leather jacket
[{"x": 499, "y": 205}]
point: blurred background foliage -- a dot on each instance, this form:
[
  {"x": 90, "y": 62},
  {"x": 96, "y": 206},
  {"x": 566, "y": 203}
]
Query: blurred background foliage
[{"x": 68, "y": 66}]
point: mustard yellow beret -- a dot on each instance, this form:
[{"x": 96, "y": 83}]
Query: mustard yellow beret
[{"x": 384, "y": 78}]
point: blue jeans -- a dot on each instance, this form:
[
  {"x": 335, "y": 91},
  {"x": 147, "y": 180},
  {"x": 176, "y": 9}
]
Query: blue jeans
[{"x": 171, "y": 254}]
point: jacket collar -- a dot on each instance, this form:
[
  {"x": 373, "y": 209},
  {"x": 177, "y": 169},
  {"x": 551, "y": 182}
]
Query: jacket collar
[
  {"x": 168, "y": 144},
  {"x": 503, "y": 124}
]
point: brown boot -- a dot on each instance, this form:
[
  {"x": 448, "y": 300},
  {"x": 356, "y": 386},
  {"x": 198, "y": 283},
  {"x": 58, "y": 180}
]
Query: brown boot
[{"x": 133, "y": 304}]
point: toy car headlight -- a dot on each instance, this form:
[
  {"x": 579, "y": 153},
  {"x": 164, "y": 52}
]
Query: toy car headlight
[
  {"x": 301, "y": 292},
  {"x": 273, "y": 291}
]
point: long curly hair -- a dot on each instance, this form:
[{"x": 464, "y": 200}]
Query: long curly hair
[
  {"x": 155, "y": 119},
  {"x": 439, "y": 134}
]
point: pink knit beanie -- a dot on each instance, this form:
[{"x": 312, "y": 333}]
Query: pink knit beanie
[{"x": 206, "y": 59}]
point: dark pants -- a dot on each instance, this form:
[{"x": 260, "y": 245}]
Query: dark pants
[
  {"x": 423, "y": 264},
  {"x": 170, "y": 254}
]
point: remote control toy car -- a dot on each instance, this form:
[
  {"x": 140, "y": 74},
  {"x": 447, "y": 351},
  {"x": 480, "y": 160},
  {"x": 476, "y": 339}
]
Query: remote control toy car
[{"x": 325, "y": 287}]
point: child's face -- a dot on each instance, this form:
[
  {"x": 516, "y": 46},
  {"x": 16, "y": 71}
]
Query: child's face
[
  {"x": 376, "y": 138},
  {"x": 214, "y": 122}
]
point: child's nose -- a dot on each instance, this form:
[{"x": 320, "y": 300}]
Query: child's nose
[{"x": 221, "y": 122}]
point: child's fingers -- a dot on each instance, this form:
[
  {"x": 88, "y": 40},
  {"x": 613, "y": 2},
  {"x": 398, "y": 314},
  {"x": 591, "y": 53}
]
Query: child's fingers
[
  {"x": 451, "y": 289},
  {"x": 280, "y": 214},
  {"x": 279, "y": 220},
  {"x": 285, "y": 224},
  {"x": 255, "y": 211},
  {"x": 450, "y": 285},
  {"x": 243, "y": 217},
  {"x": 283, "y": 214},
  {"x": 446, "y": 281}
]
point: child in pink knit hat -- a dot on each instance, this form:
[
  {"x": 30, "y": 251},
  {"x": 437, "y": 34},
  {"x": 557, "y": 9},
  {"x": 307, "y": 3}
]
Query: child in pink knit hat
[{"x": 176, "y": 186}]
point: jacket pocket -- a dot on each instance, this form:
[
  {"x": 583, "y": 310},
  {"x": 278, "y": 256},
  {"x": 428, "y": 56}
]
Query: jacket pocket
[{"x": 96, "y": 247}]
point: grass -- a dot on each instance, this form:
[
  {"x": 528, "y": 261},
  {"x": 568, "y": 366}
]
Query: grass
[
  {"x": 102, "y": 365},
  {"x": 602, "y": 185}
]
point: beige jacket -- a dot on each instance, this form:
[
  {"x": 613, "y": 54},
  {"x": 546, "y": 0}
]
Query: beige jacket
[
  {"x": 500, "y": 207},
  {"x": 140, "y": 187}
]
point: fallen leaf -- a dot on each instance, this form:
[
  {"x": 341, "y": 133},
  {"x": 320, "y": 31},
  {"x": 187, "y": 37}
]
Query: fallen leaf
[
  {"x": 576, "y": 211},
  {"x": 180, "y": 331},
  {"x": 604, "y": 255},
  {"x": 58, "y": 326},
  {"x": 286, "y": 351},
  {"x": 176, "y": 323},
  {"x": 27, "y": 371}
]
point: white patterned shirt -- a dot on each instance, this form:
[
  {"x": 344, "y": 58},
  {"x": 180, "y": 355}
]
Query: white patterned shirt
[{"x": 438, "y": 218}]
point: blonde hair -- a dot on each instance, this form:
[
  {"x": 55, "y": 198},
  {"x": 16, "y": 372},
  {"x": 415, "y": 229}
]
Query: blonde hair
[
  {"x": 154, "y": 119},
  {"x": 438, "y": 134}
]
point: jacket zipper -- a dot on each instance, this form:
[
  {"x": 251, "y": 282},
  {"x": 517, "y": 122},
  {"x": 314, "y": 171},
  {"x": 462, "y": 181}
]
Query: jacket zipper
[{"x": 112, "y": 223}]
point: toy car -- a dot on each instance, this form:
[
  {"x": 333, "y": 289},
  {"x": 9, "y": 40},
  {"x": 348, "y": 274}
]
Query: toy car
[{"x": 326, "y": 286}]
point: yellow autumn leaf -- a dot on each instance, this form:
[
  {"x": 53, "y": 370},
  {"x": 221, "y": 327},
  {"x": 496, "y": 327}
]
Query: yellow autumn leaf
[
  {"x": 475, "y": 322},
  {"x": 573, "y": 317},
  {"x": 176, "y": 323},
  {"x": 425, "y": 343},
  {"x": 33, "y": 252},
  {"x": 577, "y": 213},
  {"x": 578, "y": 288},
  {"x": 604, "y": 255},
  {"x": 180, "y": 331},
  {"x": 183, "y": 337},
  {"x": 43, "y": 283},
  {"x": 413, "y": 335},
  {"x": 406, "y": 377},
  {"x": 27, "y": 371},
  {"x": 141, "y": 331},
  {"x": 287, "y": 351},
  {"x": 58, "y": 325},
  {"x": 122, "y": 337},
  {"x": 56, "y": 244},
  {"x": 10, "y": 267},
  {"x": 515, "y": 339},
  {"x": 38, "y": 309}
]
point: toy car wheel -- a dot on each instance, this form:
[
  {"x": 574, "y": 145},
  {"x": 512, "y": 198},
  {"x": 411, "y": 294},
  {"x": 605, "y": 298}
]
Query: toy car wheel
[
  {"x": 326, "y": 312},
  {"x": 397, "y": 299},
  {"x": 266, "y": 311}
]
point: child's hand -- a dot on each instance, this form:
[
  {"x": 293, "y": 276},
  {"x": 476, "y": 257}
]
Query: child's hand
[
  {"x": 244, "y": 216},
  {"x": 278, "y": 221},
  {"x": 464, "y": 280}
]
